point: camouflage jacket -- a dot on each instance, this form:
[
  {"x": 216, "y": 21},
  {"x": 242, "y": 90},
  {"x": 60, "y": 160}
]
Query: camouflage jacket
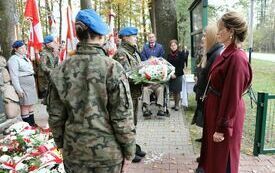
[
  {"x": 91, "y": 110},
  {"x": 48, "y": 61},
  {"x": 128, "y": 56}
]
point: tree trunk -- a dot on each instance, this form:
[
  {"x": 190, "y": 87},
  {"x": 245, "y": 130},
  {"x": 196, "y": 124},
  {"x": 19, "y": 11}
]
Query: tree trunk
[
  {"x": 60, "y": 21},
  {"x": 85, "y": 4},
  {"x": 95, "y": 5},
  {"x": 143, "y": 20},
  {"x": 152, "y": 8},
  {"x": 165, "y": 22},
  {"x": 8, "y": 23},
  {"x": 131, "y": 13},
  {"x": 48, "y": 13},
  {"x": 51, "y": 5},
  {"x": 70, "y": 3},
  {"x": 40, "y": 14},
  {"x": 118, "y": 17},
  {"x": 21, "y": 11}
]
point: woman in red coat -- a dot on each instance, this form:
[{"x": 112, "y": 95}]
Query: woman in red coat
[{"x": 229, "y": 77}]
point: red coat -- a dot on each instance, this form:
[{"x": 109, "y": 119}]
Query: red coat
[{"x": 231, "y": 75}]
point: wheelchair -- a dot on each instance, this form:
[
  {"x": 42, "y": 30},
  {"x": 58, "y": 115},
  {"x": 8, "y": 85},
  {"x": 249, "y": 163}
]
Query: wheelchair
[{"x": 153, "y": 101}]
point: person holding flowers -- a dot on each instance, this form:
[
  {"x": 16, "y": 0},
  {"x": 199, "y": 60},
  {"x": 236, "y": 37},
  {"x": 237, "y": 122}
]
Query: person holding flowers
[{"x": 129, "y": 57}]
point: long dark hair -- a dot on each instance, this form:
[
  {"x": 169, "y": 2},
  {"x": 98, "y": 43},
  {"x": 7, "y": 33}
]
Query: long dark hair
[{"x": 13, "y": 52}]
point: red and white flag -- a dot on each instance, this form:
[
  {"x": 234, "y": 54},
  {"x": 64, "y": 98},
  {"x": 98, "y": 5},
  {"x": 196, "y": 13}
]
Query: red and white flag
[
  {"x": 72, "y": 40},
  {"x": 36, "y": 38},
  {"x": 110, "y": 45}
]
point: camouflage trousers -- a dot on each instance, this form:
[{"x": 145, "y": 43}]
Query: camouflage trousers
[
  {"x": 43, "y": 85},
  {"x": 80, "y": 168},
  {"x": 135, "y": 93}
]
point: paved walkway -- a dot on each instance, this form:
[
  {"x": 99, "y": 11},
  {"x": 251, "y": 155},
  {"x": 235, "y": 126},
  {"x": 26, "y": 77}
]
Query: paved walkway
[
  {"x": 169, "y": 149},
  {"x": 167, "y": 143}
]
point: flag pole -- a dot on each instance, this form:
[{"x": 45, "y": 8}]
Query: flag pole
[
  {"x": 250, "y": 29},
  {"x": 250, "y": 91}
]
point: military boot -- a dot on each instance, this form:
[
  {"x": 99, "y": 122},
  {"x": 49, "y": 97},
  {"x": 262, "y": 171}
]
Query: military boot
[
  {"x": 136, "y": 159},
  {"x": 139, "y": 152}
]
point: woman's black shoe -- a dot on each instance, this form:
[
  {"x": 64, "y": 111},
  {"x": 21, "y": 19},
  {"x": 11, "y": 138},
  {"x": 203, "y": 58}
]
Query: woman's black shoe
[
  {"x": 199, "y": 170},
  {"x": 198, "y": 159},
  {"x": 198, "y": 140}
]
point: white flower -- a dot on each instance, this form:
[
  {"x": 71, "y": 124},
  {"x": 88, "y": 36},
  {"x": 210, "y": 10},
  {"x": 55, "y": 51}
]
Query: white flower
[
  {"x": 21, "y": 167},
  {"x": 5, "y": 149},
  {"x": 4, "y": 158}
]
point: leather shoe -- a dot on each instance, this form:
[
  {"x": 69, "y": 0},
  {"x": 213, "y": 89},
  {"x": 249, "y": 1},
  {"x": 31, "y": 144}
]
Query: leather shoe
[
  {"x": 198, "y": 140},
  {"x": 198, "y": 159},
  {"x": 160, "y": 113},
  {"x": 199, "y": 170},
  {"x": 139, "y": 152},
  {"x": 147, "y": 113},
  {"x": 136, "y": 159}
]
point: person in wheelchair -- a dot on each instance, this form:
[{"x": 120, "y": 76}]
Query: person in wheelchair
[{"x": 158, "y": 90}]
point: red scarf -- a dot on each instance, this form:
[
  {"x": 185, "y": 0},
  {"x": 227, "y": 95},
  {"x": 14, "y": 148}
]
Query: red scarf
[{"x": 174, "y": 54}]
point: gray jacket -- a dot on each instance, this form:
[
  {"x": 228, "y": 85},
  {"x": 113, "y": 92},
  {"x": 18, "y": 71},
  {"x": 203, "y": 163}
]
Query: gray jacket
[{"x": 19, "y": 66}]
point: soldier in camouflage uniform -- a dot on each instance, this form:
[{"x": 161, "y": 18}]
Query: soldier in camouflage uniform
[
  {"x": 48, "y": 61},
  {"x": 90, "y": 106},
  {"x": 129, "y": 57}
]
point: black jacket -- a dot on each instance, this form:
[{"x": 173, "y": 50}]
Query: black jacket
[
  {"x": 199, "y": 88},
  {"x": 177, "y": 59},
  {"x": 202, "y": 73}
]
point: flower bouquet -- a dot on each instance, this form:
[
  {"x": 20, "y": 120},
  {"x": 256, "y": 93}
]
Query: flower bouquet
[
  {"x": 29, "y": 149},
  {"x": 153, "y": 70}
]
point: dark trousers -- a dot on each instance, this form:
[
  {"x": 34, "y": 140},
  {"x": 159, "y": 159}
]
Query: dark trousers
[
  {"x": 135, "y": 94},
  {"x": 135, "y": 105},
  {"x": 228, "y": 169}
]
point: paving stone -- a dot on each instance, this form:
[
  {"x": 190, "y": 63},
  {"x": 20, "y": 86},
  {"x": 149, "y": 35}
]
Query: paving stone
[{"x": 168, "y": 146}]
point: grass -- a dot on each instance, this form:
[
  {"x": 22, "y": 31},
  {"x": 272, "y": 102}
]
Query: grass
[{"x": 263, "y": 81}]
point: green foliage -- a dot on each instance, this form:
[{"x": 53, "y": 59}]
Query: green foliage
[
  {"x": 23, "y": 32},
  {"x": 183, "y": 16},
  {"x": 263, "y": 38},
  {"x": 128, "y": 13},
  {"x": 264, "y": 32}
]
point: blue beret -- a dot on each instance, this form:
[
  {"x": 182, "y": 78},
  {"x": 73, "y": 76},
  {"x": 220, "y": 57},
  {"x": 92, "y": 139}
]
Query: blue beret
[
  {"x": 17, "y": 44},
  {"x": 93, "y": 21},
  {"x": 48, "y": 39},
  {"x": 127, "y": 31}
]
